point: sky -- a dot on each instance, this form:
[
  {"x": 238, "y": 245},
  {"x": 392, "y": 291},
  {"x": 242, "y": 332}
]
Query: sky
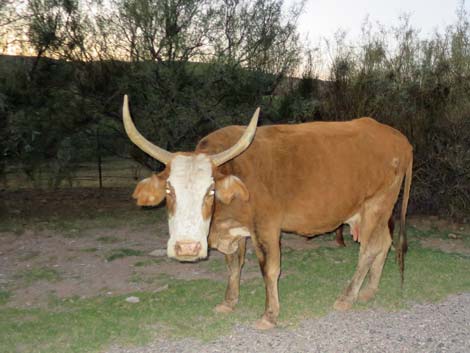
[{"x": 322, "y": 18}]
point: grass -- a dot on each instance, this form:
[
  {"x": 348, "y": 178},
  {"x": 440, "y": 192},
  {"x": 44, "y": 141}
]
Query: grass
[
  {"x": 216, "y": 265},
  {"x": 123, "y": 252},
  {"x": 89, "y": 250},
  {"x": 149, "y": 262},
  {"x": 313, "y": 279},
  {"x": 73, "y": 226},
  {"x": 37, "y": 274},
  {"x": 108, "y": 239},
  {"x": 4, "y": 296},
  {"x": 135, "y": 219}
]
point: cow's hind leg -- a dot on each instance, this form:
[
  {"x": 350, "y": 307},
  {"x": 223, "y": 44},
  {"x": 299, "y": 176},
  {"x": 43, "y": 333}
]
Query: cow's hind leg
[
  {"x": 345, "y": 301},
  {"x": 339, "y": 236},
  {"x": 369, "y": 222},
  {"x": 384, "y": 241},
  {"x": 235, "y": 263}
]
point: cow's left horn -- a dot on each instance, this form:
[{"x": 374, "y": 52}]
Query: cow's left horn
[
  {"x": 153, "y": 150},
  {"x": 241, "y": 145}
]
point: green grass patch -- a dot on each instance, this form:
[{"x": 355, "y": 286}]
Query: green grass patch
[
  {"x": 149, "y": 262},
  {"x": 108, "y": 239},
  {"x": 89, "y": 250},
  {"x": 313, "y": 280},
  {"x": 4, "y": 296},
  {"x": 38, "y": 274},
  {"x": 123, "y": 252},
  {"x": 74, "y": 226},
  {"x": 216, "y": 265}
]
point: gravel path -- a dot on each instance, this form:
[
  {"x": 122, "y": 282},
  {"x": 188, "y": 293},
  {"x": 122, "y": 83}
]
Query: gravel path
[{"x": 439, "y": 327}]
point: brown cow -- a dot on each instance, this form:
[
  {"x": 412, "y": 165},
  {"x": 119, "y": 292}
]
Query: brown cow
[{"x": 290, "y": 178}]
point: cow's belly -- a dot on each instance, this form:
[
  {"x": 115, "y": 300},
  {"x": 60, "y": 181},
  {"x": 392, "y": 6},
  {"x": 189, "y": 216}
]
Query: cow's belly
[{"x": 314, "y": 220}]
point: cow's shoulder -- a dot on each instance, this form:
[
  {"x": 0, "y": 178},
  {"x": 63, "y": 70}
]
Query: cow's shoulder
[{"x": 220, "y": 139}]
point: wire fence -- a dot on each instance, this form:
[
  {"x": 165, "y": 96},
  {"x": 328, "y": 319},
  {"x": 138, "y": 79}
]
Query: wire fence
[
  {"x": 111, "y": 172},
  {"x": 88, "y": 159}
]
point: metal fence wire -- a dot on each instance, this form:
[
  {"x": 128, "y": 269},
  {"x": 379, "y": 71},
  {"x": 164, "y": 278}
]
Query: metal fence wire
[{"x": 94, "y": 158}]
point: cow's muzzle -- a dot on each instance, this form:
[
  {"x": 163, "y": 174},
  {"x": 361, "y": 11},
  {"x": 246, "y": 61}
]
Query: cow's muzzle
[{"x": 187, "y": 250}]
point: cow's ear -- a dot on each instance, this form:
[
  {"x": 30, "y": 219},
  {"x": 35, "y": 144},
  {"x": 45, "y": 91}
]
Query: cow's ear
[
  {"x": 150, "y": 191},
  {"x": 229, "y": 187}
]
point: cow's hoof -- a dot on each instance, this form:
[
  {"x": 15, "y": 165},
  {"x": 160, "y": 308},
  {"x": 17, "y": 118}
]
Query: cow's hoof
[
  {"x": 223, "y": 308},
  {"x": 366, "y": 294},
  {"x": 342, "y": 305},
  {"x": 264, "y": 324}
]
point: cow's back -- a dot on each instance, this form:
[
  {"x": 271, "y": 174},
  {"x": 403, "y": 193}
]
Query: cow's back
[{"x": 317, "y": 174}]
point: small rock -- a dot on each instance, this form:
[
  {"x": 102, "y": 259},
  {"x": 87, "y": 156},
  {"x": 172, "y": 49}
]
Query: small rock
[
  {"x": 158, "y": 253},
  {"x": 453, "y": 236},
  {"x": 161, "y": 289},
  {"x": 132, "y": 300}
]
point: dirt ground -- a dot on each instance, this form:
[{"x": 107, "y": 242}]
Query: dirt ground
[{"x": 40, "y": 261}]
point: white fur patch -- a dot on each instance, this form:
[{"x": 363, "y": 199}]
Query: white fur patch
[
  {"x": 239, "y": 231},
  {"x": 191, "y": 178},
  {"x": 353, "y": 221}
]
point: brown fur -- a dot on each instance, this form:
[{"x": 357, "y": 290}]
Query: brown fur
[
  {"x": 310, "y": 179},
  {"x": 229, "y": 187},
  {"x": 150, "y": 191}
]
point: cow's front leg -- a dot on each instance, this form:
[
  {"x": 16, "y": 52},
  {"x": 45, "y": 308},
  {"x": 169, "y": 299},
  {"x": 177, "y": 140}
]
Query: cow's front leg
[
  {"x": 268, "y": 252},
  {"x": 235, "y": 263}
]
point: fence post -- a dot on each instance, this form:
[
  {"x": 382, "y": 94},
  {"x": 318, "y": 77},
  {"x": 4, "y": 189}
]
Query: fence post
[{"x": 98, "y": 152}]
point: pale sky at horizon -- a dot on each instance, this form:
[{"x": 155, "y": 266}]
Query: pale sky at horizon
[{"x": 322, "y": 18}]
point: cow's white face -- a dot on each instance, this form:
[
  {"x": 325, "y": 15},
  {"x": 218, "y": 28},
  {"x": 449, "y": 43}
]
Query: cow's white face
[
  {"x": 190, "y": 192},
  {"x": 190, "y": 188}
]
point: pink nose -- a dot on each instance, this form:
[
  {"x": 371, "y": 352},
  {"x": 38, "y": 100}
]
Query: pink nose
[{"x": 187, "y": 248}]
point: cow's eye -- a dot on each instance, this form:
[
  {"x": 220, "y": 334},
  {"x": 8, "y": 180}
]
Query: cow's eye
[
  {"x": 169, "y": 189},
  {"x": 211, "y": 193}
]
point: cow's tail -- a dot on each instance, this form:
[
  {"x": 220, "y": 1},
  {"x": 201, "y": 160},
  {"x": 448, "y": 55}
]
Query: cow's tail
[{"x": 402, "y": 242}]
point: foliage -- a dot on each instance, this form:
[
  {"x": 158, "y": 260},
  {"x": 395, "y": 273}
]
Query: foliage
[
  {"x": 419, "y": 86},
  {"x": 183, "y": 63},
  {"x": 192, "y": 66}
]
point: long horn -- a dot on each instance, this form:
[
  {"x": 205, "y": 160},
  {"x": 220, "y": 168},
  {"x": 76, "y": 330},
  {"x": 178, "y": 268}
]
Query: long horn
[
  {"x": 153, "y": 150},
  {"x": 241, "y": 145}
]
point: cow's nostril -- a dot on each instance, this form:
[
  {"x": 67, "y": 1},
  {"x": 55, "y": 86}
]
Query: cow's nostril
[{"x": 187, "y": 248}]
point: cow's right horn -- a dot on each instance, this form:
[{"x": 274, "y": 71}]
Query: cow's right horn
[
  {"x": 153, "y": 150},
  {"x": 241, "y": 145}
]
